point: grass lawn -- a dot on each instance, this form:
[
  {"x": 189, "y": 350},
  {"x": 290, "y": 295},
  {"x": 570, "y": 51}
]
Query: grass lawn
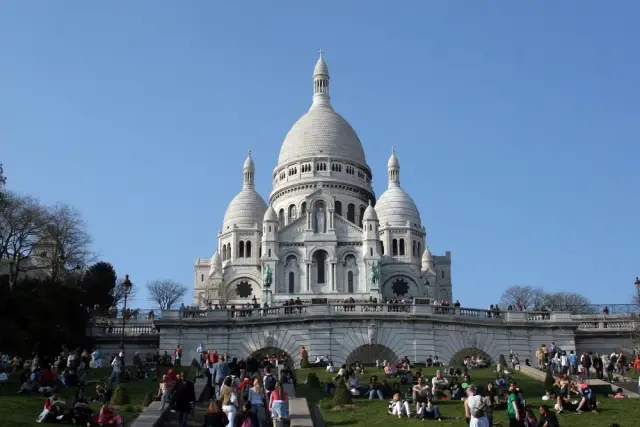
[
  {"x": 18, "y": 410},
  {"x": 625, "y": 412}
]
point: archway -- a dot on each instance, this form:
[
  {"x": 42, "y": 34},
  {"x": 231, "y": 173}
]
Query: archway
[
  {"x": 265, "y": 352},
  {"x": 368, "y": 354},
  {"x": 320, "y": 266},
  {"x": 458, "y": 358}
]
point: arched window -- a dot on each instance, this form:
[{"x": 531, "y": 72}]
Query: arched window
[
  {"x": 419, "y": 253},
  {"x": 241, "y": 249},
  {"x": 292, "y": 213},
  {"x": 292, "y": 282},
  {"x": 370, "y": 251},
  {"x": 362, "y": 208},
  {"x": 413, "y": 248},
  {"x": 370, "y": 228},
  {"x": 321, "y": 257},
  {"x": 394, "y": 250},
  {"x": 247, "y": 249},
  {"x": 401, "y": 246},
  {"x": 259, "y": 251},
  {"x": 382, "y": 248},
  {"x": 303, "y": 208},
  {"x": 351, "y": 213},
  {"x": 202, "y": 277},
  {"x": 229, "y": 254},
  {"x": 224, "y": 252},
  {"x": 269, "y": 253},
  {"x": 338, "y": 207},
  {"x": 281, "y": 217},
  {"x": 350, "y": 282}
]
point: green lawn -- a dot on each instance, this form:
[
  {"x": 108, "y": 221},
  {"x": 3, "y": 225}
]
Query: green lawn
[
  {"x": 17, "y": 410},
  {"x": 374, "y": 413}
]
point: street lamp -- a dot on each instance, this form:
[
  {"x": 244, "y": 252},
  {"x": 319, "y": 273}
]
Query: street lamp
[
  {"x": 637, "y": 283},
  {"x": 126, "y": 289}
]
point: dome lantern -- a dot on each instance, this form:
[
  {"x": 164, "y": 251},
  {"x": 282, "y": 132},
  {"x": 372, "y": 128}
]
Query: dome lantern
[
  {"x": 393, "y": 167},
  {"x": 321, "y": 82},
  {"x": 248, "y": 172}
]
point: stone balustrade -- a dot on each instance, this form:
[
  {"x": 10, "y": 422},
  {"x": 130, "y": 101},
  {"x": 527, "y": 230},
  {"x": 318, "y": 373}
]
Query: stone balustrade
[{"x": 398, "y": 311}]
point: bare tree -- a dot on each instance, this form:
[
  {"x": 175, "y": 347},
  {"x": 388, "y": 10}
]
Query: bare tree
[
  {"x": 3, "y": 182},
  {"x": 568, "y": 302},
  {"x": 65, "y": 243},
  {"x": 22, "y": 221},
  {"x": 209, "y": 295},
  {"x": 522, "y": 298},
  {"x": 118, "y": 292},
  {"x": 165, "y": 293}
]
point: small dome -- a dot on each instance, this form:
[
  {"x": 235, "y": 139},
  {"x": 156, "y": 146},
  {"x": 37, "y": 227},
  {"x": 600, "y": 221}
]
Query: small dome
[
  {"x": 216, "y": 260},
  {"x": 245, "y": 210},
  {"x": 393, "y": 160},
  {"x": 370, "y": 213},
  {"x": 321, "y": 67},
  {"x": 270, "y": 215},
  {"x": 322, "y": 132},
  {"x": 248, "y": 163},
  {"x": 395, "y": 207},
  {"x": 426, "y": 256}
]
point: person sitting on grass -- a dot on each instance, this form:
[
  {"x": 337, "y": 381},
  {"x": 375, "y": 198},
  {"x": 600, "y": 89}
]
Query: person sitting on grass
[
  {"x": 375, "y": 388},
  {"x": 428, "y": 411},
  {"x": 109, "y": 416},
  {"x": 4, "y": 379},
  {"x": 81, "y": 413},
  {"x": 530, "y": 419},
  {"x": 619, "y": 394},
  {"x": 439, "y": 385},
  {"x": 53, "y": 409},
  {"x": 456, "y": 391},
  {"x": 421, "y": 393},
  {"x": 399, "y": 407},
  {"x": 354, "y": 384},
  {"x": 547, "y": 417}
]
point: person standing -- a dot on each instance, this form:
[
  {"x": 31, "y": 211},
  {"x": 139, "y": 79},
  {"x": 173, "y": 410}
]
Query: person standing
[
  {"x": 116, "y": 370},
  {"x": 515, "y": 408},
  {"x": 182, "y": 399},
  {"x": 177, "y": 356}
]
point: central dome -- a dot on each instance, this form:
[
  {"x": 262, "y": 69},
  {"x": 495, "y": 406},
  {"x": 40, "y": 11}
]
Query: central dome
[{"x": 321, "y": 132}]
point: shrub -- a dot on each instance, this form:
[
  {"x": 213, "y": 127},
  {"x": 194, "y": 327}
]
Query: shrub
[
  {"x": 312, "y": 380},
  {"x": 148, "y": 398},
  {"x": 502, "y": 361},
  {"x": 120, "y": 396},
  {"x": 342, "y": 395},
  {"x": 549, "y": 381},
  {"x": 304, "y": 362}
]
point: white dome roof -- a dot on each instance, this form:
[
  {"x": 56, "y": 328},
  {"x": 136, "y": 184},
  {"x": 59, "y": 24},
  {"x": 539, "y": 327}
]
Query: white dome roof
[
  {"x": 321, "y": 132},
  {"x": 321, "y": 67},
  {"x": 370, "y": 213},
  {"x": 270, "y": 215},
  {"x": 245, "y": 210},
  {"x": 396, "y": 207},
  {"x": 393, "y": 160}
]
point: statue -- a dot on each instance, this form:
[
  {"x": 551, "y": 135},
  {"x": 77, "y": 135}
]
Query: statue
[
  {"x": 320, "y": 221},
  {"x": 372, "y": 333},
  {"x": 268, "y": 277},
  {"x": 374, "y": 274},
  {"x": 304, "y": 358}
]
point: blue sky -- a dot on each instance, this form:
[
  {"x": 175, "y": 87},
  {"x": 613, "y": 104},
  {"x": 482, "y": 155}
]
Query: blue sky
[{"x": 516, "y": 124}]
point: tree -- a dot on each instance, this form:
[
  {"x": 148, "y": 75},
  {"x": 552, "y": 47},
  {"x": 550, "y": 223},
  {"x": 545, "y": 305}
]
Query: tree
[
  {"x": 3, "y": 182},
  {"x": 99, "y": 284},
  {"x": 522, "y": 298},
  {"x": 66, "y": 242},
  {"x": 165, "y": 293},
  {"x": 118, "y": 292},
  {"x": 210, "y": 295},
  {"x": 549, "y": 381},
  {"x": 22, "y": 221},
  {"x": 569, "y": 302}
]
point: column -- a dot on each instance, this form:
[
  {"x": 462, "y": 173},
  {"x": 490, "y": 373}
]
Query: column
[
  {"x": 308, "y": 277},
  {"x": 333, "y": 276}
]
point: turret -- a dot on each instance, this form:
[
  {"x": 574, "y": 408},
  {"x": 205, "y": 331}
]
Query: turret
[
  {"x": 270, "y": 226},
  {"x": 370, "y": 236}
]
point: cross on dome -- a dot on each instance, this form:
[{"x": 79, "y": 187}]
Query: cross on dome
[{"x": 320, "y": 51}]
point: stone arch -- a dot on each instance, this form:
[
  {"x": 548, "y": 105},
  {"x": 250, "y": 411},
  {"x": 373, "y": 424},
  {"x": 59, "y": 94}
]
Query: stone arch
[
  {"x": 329, "y": 250},
  {"x": 458, "y": 357},
  {"x": 268, "y": 351},
  {"x": 347, "y": 253},
  {"x": 367, "y": 354},
  {"x": 400, "y": 286}
]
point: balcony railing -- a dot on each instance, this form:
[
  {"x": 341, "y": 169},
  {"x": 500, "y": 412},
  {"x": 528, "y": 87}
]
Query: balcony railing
[{"x": 129, "y": 331}]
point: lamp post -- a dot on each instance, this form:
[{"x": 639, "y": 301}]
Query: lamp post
[
  {"x": 637, "y": 283},
  {"x": 126, "y": 289}
]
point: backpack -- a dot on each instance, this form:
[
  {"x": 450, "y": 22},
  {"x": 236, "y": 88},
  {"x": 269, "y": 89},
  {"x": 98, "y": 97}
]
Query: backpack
[
  {"x": 247, "y": 422},
  {"x": 270, "y": 383}
]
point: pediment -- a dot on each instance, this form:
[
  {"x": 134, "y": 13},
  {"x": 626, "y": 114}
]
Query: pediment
[
  {"x": 346, "y": 230},
  {"x": 294, "y": 232}
]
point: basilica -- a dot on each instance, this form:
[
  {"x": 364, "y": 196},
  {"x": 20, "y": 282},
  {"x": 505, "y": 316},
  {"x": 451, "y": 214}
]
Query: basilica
[{"x": 323, "y": 234}]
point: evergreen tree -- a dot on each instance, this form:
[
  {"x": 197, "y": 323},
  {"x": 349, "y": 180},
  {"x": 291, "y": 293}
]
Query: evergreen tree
[
  {"x": 342, "y": 395},
  {"x": 549, "y": 381}
]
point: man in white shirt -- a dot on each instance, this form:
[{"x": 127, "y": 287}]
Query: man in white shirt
[
  {"x": 4, "y": 379},
  {"x": 116, "y": 365}
]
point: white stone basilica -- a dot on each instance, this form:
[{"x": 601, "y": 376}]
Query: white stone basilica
[{"x": 322, "y": 235}]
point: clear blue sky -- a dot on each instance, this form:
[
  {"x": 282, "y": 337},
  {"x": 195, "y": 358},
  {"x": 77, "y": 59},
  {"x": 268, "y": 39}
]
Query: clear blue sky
[{"x": 516, "y": 124}]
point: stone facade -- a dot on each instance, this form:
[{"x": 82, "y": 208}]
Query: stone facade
[
  {"x": 416, "y": 331},
  {"x": 322, "y": 232}
]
